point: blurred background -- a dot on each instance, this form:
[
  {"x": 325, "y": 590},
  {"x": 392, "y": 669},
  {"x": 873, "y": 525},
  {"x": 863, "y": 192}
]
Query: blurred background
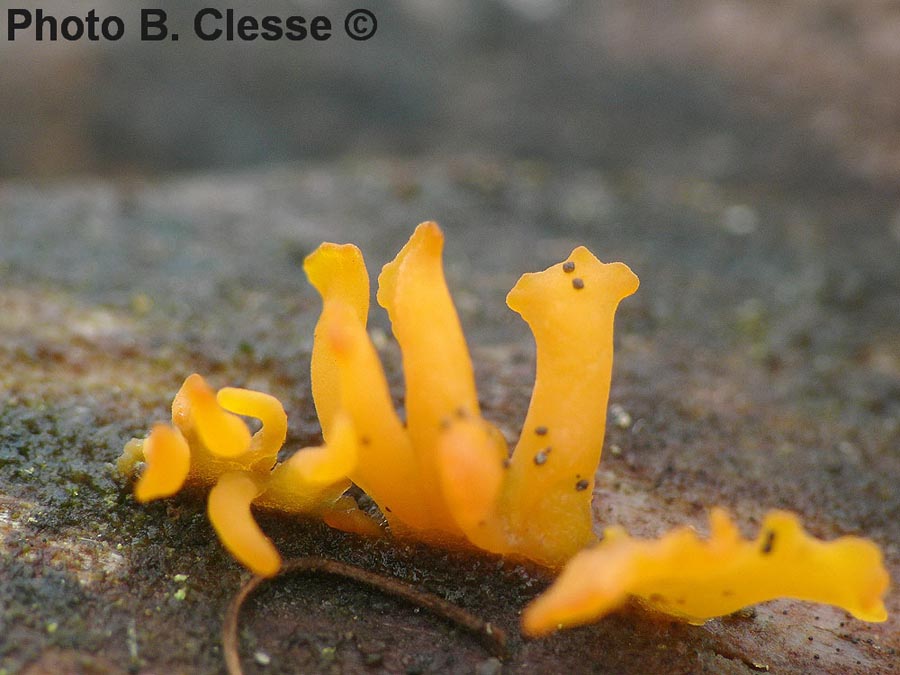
[{"x": 795, "y": 92}]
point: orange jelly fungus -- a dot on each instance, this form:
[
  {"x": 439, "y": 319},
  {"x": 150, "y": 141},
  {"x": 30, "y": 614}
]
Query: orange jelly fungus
[
  {"x": 446, "y": 474},
  {"x": 696, "y": 580}
]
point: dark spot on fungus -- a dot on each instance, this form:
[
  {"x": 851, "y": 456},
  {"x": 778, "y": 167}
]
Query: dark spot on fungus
[
  {"x": 727, "y": 593},
  {"x": 658, "y": 598},
  {"x": 767, "y": 544},
  {"x": 540, "y": 431},
  {"x": 507, "y": 462},
  {"x": 388, "y": 509},
  {"x": 568, "y": 267},
  {"x": 461, "y": 413},
  {"x": 364, "y": 440},
  {"x": 581, "y": 485},
  {"x": 541, "y": 457},
  {"x": 445, "y": 423},
  {"x": 578, "y": 283}
]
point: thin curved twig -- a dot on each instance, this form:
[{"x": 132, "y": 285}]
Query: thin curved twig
[{"x": 492, "y": 637}]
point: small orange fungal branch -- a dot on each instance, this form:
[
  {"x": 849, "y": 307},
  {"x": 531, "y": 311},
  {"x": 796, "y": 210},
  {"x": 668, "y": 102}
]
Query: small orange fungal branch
[
  {"x": 696, "y": 580},
  {"x": 209, "y": 444}
]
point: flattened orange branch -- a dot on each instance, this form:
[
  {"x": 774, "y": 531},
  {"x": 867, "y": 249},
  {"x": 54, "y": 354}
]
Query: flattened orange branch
[{"x": 693, "y": 579}]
